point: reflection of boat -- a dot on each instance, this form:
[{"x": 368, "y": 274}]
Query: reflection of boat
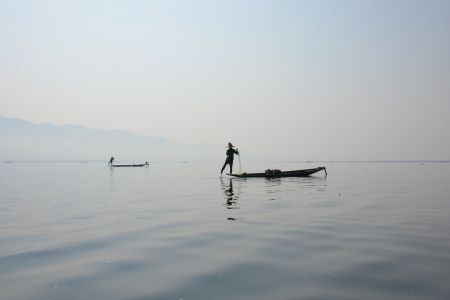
[
  {"x": 278, "y": 173},
  {"x": 133, "y": 165}
]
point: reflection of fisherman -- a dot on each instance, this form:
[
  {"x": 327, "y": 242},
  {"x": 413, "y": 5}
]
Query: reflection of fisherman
[
  {"x": 111, "y": 160},
  {"x": 230, "y": 196},
  {"x": 230, "y": 156}
]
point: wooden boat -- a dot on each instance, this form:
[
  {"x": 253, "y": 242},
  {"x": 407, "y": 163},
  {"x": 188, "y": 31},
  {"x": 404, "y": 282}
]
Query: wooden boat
[
  {"x": 278, "y": 173},
  {"x": 133, "y": 165}
]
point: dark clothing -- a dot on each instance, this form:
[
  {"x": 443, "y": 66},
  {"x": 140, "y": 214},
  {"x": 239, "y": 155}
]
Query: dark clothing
[
  {"x": 229, "y": 160},
  {"x": 230, "y": 154}
]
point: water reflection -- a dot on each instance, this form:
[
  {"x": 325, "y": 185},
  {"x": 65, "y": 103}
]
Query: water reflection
[
  {"x": 111, "y": 179},
  {"x": 317, "y": 183},
  {"x": 274, "y": 185},
  {"x": 268, "y": 189},
  {"x": 273, "y": 181},
  {"x": 231, "y": 197}
]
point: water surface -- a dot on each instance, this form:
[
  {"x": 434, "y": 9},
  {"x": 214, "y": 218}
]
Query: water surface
[{"x": 178, "y": 231}]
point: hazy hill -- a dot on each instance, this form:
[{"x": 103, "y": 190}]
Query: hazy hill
[{"x": 22, "y": 140}]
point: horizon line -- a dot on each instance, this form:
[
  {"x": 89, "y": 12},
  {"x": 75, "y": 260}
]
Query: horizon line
[{"x": 206, "y": 160}]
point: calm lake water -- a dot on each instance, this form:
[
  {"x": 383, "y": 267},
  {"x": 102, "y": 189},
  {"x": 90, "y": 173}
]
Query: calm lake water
[{"x": 178, "y": 231}]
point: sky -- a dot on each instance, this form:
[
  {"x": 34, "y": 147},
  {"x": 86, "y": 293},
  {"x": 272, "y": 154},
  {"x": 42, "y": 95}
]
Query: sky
[{"x": 313, "y": 80}]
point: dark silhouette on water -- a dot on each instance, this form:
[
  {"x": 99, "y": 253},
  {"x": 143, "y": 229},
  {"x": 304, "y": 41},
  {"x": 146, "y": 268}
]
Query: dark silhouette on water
[
  {"x": 278, "y": 173},
  {"x": 230, "y": 157},
  {"x": 230, "y": 196},
  {"x": 111, "y": 163},
  {"x": 132, "y": 165}
]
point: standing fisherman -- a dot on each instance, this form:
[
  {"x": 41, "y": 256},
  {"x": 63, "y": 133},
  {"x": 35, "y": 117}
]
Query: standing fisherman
[
  {"x": 111, "y": 161},
  {"x": 230, "y": 157}
]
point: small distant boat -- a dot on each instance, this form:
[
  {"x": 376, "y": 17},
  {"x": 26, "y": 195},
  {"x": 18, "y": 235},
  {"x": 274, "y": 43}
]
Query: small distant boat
[
  {"x": 277, "y": 173},
  {"x": 131, "y": 165}
]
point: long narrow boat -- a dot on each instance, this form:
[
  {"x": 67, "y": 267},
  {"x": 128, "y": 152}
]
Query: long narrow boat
[
  {"x": 133, "y": 165},
  {"x": 278, "y": 173}
]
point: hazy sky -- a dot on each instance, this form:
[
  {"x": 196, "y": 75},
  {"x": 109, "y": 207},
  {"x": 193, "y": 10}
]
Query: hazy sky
[{"x": 290, "y": 79}]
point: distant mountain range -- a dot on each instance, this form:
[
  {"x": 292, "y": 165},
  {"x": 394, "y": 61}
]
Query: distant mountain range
[{"x": 21, "y": 140}]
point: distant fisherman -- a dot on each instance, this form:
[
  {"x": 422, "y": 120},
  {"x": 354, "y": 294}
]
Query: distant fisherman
[
  {"x": 230, "y": 157},
  {"x": 111, "y": 160}
]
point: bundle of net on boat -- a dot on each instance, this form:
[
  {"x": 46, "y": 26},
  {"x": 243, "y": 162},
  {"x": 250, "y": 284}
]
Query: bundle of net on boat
[{"x": 272, "y": 172}]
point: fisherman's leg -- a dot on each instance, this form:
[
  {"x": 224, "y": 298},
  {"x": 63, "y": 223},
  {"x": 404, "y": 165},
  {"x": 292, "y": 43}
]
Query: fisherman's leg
[
  {"x": 231, "y": 167},
  {"x": 223, "y": 168}
]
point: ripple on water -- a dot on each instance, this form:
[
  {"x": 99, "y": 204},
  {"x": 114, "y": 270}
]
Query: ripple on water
[{"x": 83, "y": 232}]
